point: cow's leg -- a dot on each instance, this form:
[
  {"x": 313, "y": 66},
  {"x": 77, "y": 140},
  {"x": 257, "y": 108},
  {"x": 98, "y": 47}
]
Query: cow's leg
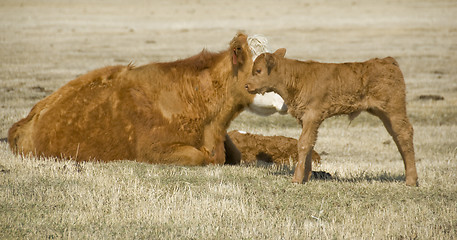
[
  {"x": 213, "y": 143},
  {"x": 303, "y": 170},
  {"x": 187, "y": 155},
  {"x": 219, "y": 154},
  {"x": 399, "y": 127},
  {"x": 232, "y": 154}
]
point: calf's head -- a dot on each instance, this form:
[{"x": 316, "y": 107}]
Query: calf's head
[{"x": 265, "y": 72}]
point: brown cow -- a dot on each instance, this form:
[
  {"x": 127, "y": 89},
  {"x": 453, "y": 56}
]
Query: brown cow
[
  {"x": 275, "y": 149},
  {"x": 172, "y": 113},
  {"x": 315, "y": 91}
]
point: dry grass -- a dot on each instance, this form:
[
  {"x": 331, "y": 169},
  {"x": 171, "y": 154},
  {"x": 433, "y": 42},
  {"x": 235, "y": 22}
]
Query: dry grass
[
  {"x": 366, "y": 199},
  {"x": 44, "y": 44}
]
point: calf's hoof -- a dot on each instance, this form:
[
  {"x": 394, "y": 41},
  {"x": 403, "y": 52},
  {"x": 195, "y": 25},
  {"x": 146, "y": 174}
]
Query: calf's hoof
[
  {"x": 297, "y": 181},
  {"x": 412, "y": 183}
]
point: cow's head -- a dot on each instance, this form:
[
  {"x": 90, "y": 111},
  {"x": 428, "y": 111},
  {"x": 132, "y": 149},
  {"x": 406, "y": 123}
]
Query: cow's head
[
  {"x": 240, "y": 53},
  {"x": 265, "y": 72}
]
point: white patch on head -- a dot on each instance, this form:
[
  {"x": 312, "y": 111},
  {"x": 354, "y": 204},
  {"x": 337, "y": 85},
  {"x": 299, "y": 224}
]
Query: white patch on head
[{"x": 258, "y": 45}]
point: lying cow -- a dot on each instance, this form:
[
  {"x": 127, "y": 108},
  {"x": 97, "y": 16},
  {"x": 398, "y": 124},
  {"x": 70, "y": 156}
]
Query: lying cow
[
  {"x": 315, "y": 91},
  {"x": 172, "y": 113},
  {"x": 275, "y": 149}
]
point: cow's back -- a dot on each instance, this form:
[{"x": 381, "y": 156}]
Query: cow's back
[
  {"x": 346, "y": 87},
  {"x": 69, "y": 122},
  {"x": 122, "y": 112},
  {"x": 385, "y": 81},
  {"x": 173, "y": 113}
]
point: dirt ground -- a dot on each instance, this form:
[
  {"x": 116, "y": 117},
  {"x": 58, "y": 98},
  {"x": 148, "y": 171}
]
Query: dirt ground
[{"x": 44, "y": 44}]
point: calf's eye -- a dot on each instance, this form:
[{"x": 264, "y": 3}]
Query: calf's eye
[{"x": 258, "y": 70}]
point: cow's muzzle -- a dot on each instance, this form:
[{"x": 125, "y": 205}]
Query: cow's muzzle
[{"x": 249, "y": 89}]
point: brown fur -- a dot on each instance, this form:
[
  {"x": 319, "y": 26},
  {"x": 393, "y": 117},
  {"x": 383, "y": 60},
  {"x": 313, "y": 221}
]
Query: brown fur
[
  {"x": 171, "y": 113},
  {"x": 315, "y": 91},
  {"x": 275, "y": 149}
]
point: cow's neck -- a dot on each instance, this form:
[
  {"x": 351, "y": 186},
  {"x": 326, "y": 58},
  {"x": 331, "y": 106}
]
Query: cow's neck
[
  {"x": 232, "y": 96},
  {"x": 229, "y": 100},
  {"x": 236, "y": 97}
]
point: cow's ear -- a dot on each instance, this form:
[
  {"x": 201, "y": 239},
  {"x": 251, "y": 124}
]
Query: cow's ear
[
  {"x": 270, "y": 62},
  {"x": 280, "y": 52},
  {"x": 237, "y": 59},
  {"x": 238, "y": 53}
]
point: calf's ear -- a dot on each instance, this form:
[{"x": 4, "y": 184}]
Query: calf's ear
[
  {"x": 270, "y": 62},
  {"x": 280, "y": 52}
]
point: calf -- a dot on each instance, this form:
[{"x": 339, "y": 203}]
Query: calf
[
  {"x": 275, "y": 149},
  {"x": 315, "y": 91}
]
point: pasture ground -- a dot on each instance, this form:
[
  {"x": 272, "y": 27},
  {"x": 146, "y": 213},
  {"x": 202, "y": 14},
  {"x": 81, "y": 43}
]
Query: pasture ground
[{"x": 44, "y": 44}]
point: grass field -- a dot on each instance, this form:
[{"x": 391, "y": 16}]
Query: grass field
[{"x": 44, "y": 44}]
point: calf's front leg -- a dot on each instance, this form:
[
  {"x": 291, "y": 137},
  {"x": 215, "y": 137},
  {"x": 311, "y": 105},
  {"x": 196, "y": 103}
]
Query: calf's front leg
[{"x": 303, "y": 169}]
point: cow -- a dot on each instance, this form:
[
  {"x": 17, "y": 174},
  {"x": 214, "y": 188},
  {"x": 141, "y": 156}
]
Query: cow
[
  {"x": 273, "y": 149},
  {"x": 315, "y": 91},
  {"x": 170, "y": 112}
]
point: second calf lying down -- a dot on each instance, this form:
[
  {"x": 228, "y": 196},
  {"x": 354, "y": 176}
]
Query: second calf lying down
[{"x": 315, "y": 91}]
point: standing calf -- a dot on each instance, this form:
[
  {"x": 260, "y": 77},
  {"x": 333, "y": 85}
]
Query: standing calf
[{"x": 315, "y": 91}]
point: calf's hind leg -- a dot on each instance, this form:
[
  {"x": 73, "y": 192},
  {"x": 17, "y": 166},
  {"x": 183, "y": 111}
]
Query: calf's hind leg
[{"x": 401, "y": 130}]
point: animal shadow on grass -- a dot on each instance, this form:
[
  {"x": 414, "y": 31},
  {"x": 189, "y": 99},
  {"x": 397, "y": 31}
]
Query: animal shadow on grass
[
  {"x": 277, "y": 169},
  {"x": 3, "y": 140},
  {"x": 363, "y": 176},
  {"x": 3, "y": 169},
  {"x": 371, "y": 177}
]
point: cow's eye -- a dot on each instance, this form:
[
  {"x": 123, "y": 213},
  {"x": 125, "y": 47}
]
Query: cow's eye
[{"x": 258, "y": 71}]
